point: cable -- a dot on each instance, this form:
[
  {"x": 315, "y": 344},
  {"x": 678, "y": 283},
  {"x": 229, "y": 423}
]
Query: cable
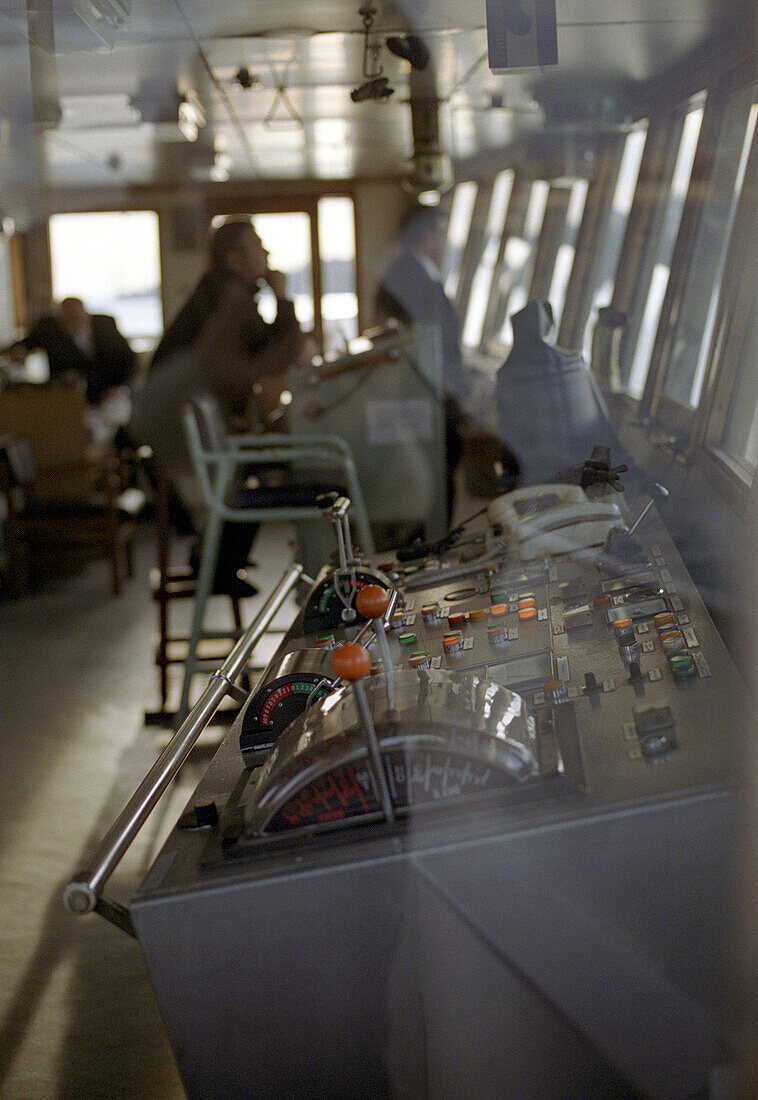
[{"x": 233, "y": 116}]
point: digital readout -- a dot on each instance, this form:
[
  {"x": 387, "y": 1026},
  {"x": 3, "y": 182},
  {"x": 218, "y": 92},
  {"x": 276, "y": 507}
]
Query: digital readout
[{"x": 642, "y": 609}]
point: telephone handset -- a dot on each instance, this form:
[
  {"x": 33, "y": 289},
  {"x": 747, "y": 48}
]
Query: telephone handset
[{"x": 552, "y": 519}]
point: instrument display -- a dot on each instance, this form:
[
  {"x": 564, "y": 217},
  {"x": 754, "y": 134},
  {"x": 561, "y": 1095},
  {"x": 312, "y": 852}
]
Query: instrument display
[
  {"x": 293, "y": 683},
  {"x": 637, "y": 609},
  {"x": 320, "y": 771},
  {"x": 330, "y": 604}
]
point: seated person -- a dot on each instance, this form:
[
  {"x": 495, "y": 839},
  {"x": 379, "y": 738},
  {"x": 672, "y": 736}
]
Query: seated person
[
  {"x": 79, "y": 343},
  {"x": 219, "y": 345},
  {"x": 550, "y": 412}
]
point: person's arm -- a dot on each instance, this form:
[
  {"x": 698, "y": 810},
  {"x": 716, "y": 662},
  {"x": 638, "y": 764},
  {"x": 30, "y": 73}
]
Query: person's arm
[
  {"x": 35, "y": 338},
  {"x": 231, "y": 364},
  {"x": 123, "y": 358}
]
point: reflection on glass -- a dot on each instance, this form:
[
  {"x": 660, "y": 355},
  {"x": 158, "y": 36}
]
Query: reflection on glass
[
  {"x": 457, "y": 234},
  {"x": 662, "y": 239},
  {"x": 740, "y": 438},
  {"x": 694, "y": 330},
  {"x": 522, "y": 277},
  {"x": 481, "y": 285},
  {"x": 287, "y": 239},
  {"x": 564, "y": 260},
  {"x": 605, "y": 270},
  {"x": 112, "y": 262},
  {"x": 336, "y": 242}
]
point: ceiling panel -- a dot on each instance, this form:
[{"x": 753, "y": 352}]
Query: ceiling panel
[{"x": 304, "y": 60}]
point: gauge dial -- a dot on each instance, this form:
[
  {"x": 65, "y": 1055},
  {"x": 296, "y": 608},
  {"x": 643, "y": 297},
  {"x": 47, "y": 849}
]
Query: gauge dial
[
  {"x": 291, "y": 685},
  {"x": 325, "y": 605},
  {"x": 416, "y": 777},
  {"x": 449, "y": 737}
]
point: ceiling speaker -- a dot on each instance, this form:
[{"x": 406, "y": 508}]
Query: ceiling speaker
[{"x": 521, "y": 34}]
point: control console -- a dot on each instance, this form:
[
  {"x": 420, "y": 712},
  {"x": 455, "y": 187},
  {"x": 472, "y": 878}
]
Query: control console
[{"x": 480, "y": 777}]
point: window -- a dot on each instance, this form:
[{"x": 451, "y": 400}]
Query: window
[
  {"x": 112, "y": 262},
  {"x": 740, "y": 435},
  {"x": 694, "y": 329},
  {"x": 564, "y": 260},
  {"x": 7, "y": 312},
  {"x": 336, "y": 243},
  {"x": 520, "y": 254},
  {"x": 481, "y": 285},
  {"x": 287, "y": 239},
  {"x": 662, "y": 239},
  {"x": 605, "y": 272},
  {"x": 458, "y": 228}
]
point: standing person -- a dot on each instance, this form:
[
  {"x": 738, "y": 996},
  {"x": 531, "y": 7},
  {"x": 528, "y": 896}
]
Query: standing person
[
  {"x": 217, "y": 344},
  {"x": 411, "y": 292},
  {"x": 85, "y": 344}
]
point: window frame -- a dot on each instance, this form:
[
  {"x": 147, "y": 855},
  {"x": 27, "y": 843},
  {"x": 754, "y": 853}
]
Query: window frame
[{"x": 655, "y": 402}]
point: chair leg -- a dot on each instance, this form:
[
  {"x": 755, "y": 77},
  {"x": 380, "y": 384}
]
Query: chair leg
[
  {"x": 115, "y": 571},
  {"x": 129, "y": 553},
  {"x": 162, "y": 654},
  {"x": 204, "y": 583}
]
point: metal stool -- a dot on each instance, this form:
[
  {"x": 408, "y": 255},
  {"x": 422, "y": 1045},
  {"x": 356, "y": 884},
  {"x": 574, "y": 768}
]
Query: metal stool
[{"x": 219, "y": 462}]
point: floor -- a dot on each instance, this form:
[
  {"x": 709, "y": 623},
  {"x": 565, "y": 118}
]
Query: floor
[{"x": 76, "y": 676}]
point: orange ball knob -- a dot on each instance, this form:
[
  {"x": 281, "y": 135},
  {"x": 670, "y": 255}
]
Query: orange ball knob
[
  {"x": 351, "y": 662},
  {"x": 372, "y": 601}
]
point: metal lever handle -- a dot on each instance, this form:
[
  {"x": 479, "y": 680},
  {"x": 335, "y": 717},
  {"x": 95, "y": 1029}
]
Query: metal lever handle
[
  {"x": 82, "y": 893},
  {"x": 659, "y": 491},
  {"x": 337, "y": 508}
]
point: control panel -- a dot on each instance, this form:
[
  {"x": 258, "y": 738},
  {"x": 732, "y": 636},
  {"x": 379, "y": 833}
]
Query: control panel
[
  {"x": 475, "y": 776},
  {"x": 611, "y": 658},
  {"x": 469, "y": 775}
]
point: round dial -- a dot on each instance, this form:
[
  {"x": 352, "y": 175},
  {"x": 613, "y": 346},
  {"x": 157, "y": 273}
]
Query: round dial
[{"x": 291, "y": 685}]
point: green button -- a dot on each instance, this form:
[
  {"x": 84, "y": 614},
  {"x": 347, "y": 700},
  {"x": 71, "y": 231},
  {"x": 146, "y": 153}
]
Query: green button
[
  {"x": 407, "y": 639},
  {"x": 499, "y": 597},
  {"x": 681, "y": 665}
]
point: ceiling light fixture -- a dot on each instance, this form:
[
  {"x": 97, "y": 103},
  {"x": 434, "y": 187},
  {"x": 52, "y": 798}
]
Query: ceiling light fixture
[
  {"x": 191, "y": 116},
  {"x": 102, "y": 17}
]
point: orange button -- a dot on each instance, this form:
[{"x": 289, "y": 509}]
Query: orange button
[
  {"x": 477, "y": 615},
  {"x": 498, "y": 610},
  {"x": 663, "y": 619},
  {"x": 622, "y": 624},
  {"x": 526, "y": 614}
]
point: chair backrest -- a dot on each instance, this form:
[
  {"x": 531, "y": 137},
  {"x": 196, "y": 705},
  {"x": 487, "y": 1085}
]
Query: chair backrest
[
  {"x": 52, "y": 417},
  {"x": 210, "y": 426},
  {"x": 17, "y": 461},
  {"x": 206, "y": 437}
]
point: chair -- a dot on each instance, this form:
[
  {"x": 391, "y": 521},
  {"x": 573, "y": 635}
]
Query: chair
[
  {"x": 49, "y": 526},
  {"x": 222, "y": 462},
  {"x": 169, "y": 582}
]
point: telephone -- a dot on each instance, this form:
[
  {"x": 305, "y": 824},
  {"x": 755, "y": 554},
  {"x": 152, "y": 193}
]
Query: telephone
[{"x": 552, "y": 519}]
